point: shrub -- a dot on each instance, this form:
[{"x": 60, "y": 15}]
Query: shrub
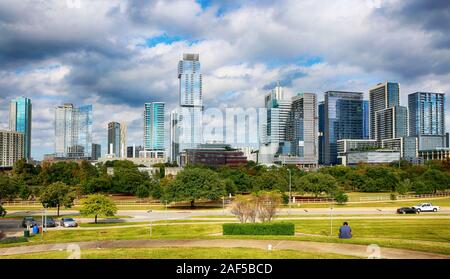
[
  {"x": 2, "y": 211},
  {"x": 10, "y": 240},
  {"x": 259, "y": 229}
]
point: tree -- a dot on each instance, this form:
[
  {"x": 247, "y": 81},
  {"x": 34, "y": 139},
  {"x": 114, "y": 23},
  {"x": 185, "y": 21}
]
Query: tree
[
  {"x": 268, "y": 204},
  {"x": 195, "y": 183},
  {"x": 98, "y": 205},
  {"x": 340, "y": 197},
  {"x": 317, "y": 183},
  {"x": 56, "y": 195},
  {"x": 404, "y": 186},
  {"x": 2, "y": 211},
  {"x": 8, "y": 188}
]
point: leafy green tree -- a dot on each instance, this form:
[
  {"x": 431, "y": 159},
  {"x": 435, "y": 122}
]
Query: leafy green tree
[
  {"x": 317, "y": 183},
  {"x": 98, "y": 205},
  {"x": 2, "y": 211},
  {"x": 56, "y": 195},
  {"x": 8, "y": 188},
  {"x": 271, "y": 180},
  {"x": 340, "y": 197},
  {"x": 436, "y": 179},
  {"x": 404, "y": 186},
  {"x": 420, "y": 187},
  {"x": 97, "y": 184},
  {"x": 230, "y": 187},
  {"x": 192, "y": 184}
]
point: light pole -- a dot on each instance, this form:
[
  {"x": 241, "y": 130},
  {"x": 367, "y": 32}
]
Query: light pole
[
  {"x": 223, "y": 205},
  {"x": 331, "y": 220},
  {"x": 290, "y": 190},
  {"x": 150, "y": 223}
]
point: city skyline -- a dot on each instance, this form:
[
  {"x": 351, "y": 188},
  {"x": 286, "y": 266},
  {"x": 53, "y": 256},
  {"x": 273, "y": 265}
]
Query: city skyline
[{"x": 136, "y": 59}]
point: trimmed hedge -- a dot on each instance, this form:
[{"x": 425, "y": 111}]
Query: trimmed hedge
[
  {"x": 259, "y": 229},
  {"x": 10, "y": 240}
]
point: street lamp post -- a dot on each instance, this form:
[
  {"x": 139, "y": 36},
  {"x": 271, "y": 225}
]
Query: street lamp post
[
  {"x": 290, "y": 191},
  {"x": 150, "y": 223}
]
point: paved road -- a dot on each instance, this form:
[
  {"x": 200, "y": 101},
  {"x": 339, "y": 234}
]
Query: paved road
[{"x": 361, "y": 251}]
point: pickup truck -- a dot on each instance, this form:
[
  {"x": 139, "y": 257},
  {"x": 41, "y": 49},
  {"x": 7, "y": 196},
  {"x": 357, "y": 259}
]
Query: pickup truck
[{"x": 423, "y": 207}]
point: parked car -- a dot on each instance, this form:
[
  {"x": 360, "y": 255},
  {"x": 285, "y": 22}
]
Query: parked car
[
  {"x": 68, "y": 222},
  {"x": 424, "y": 207},
  {"x": 49, "y": 222},
  {"x": 28, "y": 221},
  {"x": 407, "y": 210}
]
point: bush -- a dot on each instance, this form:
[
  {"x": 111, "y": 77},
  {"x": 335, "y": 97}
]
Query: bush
[
  {"x": 10, "y": 240},
  {"x": 259, "y": 229},
  {"x": 2, "y": 211}
]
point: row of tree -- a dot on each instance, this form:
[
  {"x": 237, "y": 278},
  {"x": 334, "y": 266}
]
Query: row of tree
[{"x": 73, "y": 180}]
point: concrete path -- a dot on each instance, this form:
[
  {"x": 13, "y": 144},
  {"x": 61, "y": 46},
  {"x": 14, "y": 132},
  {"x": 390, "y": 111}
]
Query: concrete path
[{"x": 361, "y": 251}]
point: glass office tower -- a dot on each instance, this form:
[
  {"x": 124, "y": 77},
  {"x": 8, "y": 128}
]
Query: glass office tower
[
  {"x": 366, "y": 122},
  {"x": 382, "y": 96},
  {"x": 188, "y": 130},
  {"x": 343, "y": 119},
  {"x": 302, "y": 126},
  {"x": 20, "y": 121},
  {"x": 114, "y": 132},
  {"x": 321, "y": 111},
  {"x": 427, "y": 119},
  {"x": 73, "y": 131},
  {"x": 154, "y": 126}
]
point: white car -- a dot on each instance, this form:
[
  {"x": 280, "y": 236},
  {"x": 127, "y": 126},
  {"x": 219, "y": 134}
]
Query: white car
[
  {"x": 424, "y": 207},
  {"x": 68, "y": 222}
]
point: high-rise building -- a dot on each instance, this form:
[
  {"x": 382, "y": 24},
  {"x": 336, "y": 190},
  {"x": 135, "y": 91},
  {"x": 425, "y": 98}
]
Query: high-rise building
[
  {"x": 96, "y": 151},
  {"x": 382, "y": 96},
  {"x": 278, "y": 108},
  {"x": 188, "y": 129},
  {"x": 391, "y": 123},
  {"x": 11, "y": 148},
  {"x": 123, "y": 140},
  {"x": 114, "y": 139},
  {"x": 366, "y": 122},
  {"x": 343, "y": 119},
  {"x": 133, "y": 151},
  {"x": 174, "y": 136},
  {"x": 302, "y": 128},
  {"x": 73, "y": 131},
  {"x": 427, "y": 119},
  {"x": 154, "y": 126},
  {"x": 20, "y": 121},
  {"x": 321, "y": 132}
]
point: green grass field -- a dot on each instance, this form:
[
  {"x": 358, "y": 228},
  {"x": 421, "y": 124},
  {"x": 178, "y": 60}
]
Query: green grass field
[
  {"x": 182, "y": 253},
  {"x": 430, "y": 235}
]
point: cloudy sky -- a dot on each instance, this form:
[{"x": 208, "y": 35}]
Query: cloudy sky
[{"x": 119, "y": 54}]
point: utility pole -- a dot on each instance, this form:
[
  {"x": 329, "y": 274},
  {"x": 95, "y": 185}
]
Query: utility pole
[{"x": 290, "y": 191}]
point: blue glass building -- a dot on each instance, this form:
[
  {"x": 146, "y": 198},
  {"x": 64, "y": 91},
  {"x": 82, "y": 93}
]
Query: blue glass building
[
  {"x": 427, "y": 119},
  {"x": 343, "y": 118},
  {"x": 382, "y": 96},
  {"x": 20, "y": 121},
  {"x": 321, "y": 131},
  {"x": 366, "y": 122},
  {"x": 154, "y": 126}
]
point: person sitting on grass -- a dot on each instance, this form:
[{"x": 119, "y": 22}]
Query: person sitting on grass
[{"x": 345, "y": 231}]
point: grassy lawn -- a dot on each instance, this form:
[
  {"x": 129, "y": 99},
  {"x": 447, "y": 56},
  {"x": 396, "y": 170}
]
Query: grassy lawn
[
  {"x": 182, "y": 253},
  {"x": 434, "y": 201},
  {"x": 430, "y": 235}
]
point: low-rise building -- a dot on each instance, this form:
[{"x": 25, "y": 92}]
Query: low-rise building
[
  {"x": 369, "y": 157},
  {"x": 147, "y": 162},
  {"x": 440, "y": 154},
  {"x": 11, "y": 148},
  {"x": 212, "y": 155}
]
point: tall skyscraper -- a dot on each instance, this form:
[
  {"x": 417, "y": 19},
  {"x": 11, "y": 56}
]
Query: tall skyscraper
[
  {"x": 114, "y": 132},
  {"x": 96, "y": 151},
  {"x": 343, "y": 119},
  {"x": 154, "y": 126},
  {"x": 366, "y": 122},
  {"x": 302, "y": 128},
  {"x": 123, "y": 140},
  {"x": 20, "y": 121},
  {"x": 382, "y": 96},
  {"x": 11, "y": 147},
  {"x": 391, "y": 123},
  {"x": 321, "y": 132},
  {"x": 174, "y": 136},
  {"x": 73, "y": 131},
  {"x": 427, "y": 119},
  {"x": 278, "y": 108},
  {"x": 188, "y": 131}
]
